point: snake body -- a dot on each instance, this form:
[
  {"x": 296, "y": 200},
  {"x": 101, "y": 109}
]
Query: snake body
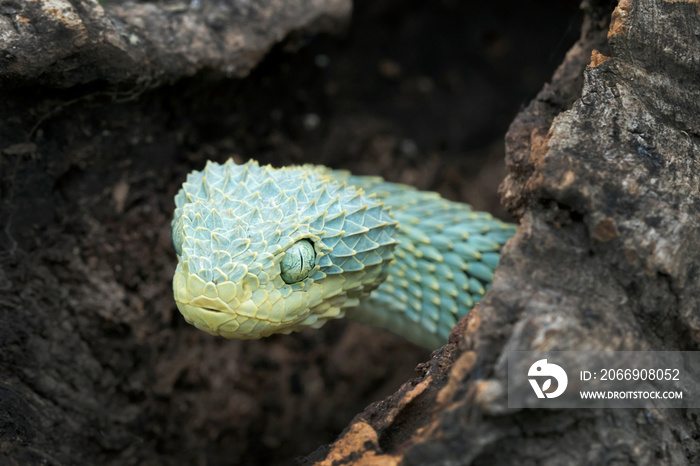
[{"x": 263, "y": 250}]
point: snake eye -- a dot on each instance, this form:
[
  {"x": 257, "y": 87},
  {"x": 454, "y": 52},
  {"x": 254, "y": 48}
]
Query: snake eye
[{"x": 298, "y": 261}]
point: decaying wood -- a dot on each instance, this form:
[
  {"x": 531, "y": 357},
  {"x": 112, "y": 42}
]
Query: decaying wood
[
  {"x": 96, "y": 365},
  {"x": 607, "y": 180}
]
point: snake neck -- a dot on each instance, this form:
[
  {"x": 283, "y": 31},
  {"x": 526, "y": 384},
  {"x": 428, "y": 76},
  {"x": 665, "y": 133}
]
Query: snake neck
[{"x": 444, "y": 264}]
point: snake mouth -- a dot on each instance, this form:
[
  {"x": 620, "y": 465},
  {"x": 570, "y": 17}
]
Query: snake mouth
[{"x": 227, "y": 323}]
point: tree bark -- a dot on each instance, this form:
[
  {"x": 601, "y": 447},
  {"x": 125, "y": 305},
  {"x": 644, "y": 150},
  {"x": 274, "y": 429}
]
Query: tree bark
[
  {"x": 605, "y": 179},
  {"x": 62, "y": 43}
]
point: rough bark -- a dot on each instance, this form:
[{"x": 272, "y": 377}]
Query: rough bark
[
  {"x": 62, "y": 43},
  {"x": 606, "y": 178}
]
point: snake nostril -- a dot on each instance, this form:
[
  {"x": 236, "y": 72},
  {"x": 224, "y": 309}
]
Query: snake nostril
[{"x": 250, "y": 283}]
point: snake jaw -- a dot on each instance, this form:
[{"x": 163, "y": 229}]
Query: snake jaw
[{"x": 256, "y": 317}]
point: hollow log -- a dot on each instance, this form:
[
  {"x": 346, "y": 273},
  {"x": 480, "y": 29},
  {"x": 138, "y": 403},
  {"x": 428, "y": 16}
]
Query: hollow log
[{"x": 105, "y": 106}]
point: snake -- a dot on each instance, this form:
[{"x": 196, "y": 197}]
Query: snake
[{"x": 264, "y": 250}]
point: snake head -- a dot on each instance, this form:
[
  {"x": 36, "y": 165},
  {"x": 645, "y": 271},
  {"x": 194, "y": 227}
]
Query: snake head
[{"x": 264, "y": 250}]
